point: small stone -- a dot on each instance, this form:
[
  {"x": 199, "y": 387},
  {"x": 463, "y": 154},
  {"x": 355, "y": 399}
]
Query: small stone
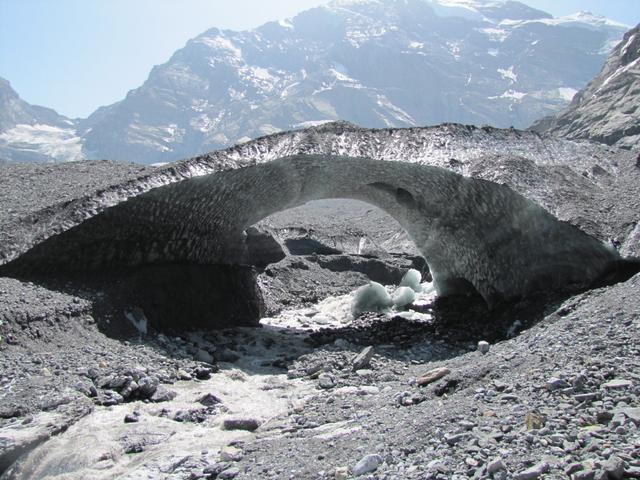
[
  {"x": 532, "y": 473},
  {"x": 203, "y": 373},
  {"x": 203, "y": 356},
  {"x": 326, "y": 381},
  {"x": 110, "y": 398},
  {"x": 249, "y": 424},
  {"x": 209, "y": 400},
  {"x": 456, "y": 438},
  {"x": 573, "y": 468},
  {"x": 433, "y": 375},
  {"x": 483, "y": 347},
  {"x": 367, "y": 464},
  {"x": 131, "y": 418},
  {"x": 496, "y": 466},
  {"x": 231, "y": 454},
  {"x": 604, "y": 417},
  {"x": 130, "y": 389},
  {"x": 632, "y": 472},
  {"x": 368, "y": 390},
  {"x": 229, "y": 473},
  {"x": 614, "y": 468},
  {"x": 437, "y": 466},
  {"x": 341, "y": 473},
  {"x": 147, "y": 386},
  {"x": 228, "y": 356},
  {"x": 534, "y": 421},
  {"x": 587, "y": 474},
  {"x": 618, "y": 384},
  {"x": 163, "y": 394},
  {"x": 578, "y": 382},
  {"x": 183, "y": 375},
  {"x": 554, "y": 384},
  {"x": 632, "y": 413},
  {"x": 215, "y": 469},
  {"x": 587, "y": 397},
  {"x": 363, "y": 359}
]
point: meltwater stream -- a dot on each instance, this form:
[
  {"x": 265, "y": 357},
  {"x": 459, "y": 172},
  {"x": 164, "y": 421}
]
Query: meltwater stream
[{"x": 187, "y": 433}]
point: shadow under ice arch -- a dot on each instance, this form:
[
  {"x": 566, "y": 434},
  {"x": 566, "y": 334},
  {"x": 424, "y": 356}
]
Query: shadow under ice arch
[{"x": 473, "y": 233}]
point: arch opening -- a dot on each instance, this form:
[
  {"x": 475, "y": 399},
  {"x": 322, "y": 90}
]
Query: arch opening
[{"x": 333, "y": 247}]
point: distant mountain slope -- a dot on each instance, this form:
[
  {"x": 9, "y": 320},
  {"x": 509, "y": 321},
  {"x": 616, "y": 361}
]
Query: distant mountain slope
[
  {"x": 608, "y": 109},
  {"x": 376, "y": 63},
  {"x": 30, "y": 133}
]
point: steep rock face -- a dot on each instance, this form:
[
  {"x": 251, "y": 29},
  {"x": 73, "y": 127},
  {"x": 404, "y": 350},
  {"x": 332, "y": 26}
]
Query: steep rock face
[
  {"x": 31, "y": 133},
  {"x": 608, "y": 109},
  {"x": 376, "y": 63}
]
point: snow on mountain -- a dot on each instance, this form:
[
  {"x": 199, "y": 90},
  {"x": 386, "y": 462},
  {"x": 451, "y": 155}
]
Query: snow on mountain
[
  {"x": 51, "y": 142},
  {"x": 31, "y": 133},
  {"x": 376, "y": 63}
]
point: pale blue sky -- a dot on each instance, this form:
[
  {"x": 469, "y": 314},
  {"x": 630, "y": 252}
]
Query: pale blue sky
[{"x": 76, "y": 55}]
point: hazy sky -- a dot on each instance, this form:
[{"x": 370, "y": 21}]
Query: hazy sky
[{"x": 76, "y": 55}]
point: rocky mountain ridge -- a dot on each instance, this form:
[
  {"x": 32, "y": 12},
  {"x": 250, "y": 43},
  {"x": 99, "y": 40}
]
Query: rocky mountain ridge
[
  {"x": 376, "y": 63},
  {"x": 608, "y": 109}
]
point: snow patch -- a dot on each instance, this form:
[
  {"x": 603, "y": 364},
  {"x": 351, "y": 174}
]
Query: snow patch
[
  {"x": 286, "y": 90},
  {"x": 268, "y": 129},
  {"x": 567, "y": 93},
  {"x": 512, "y": 94},
  {"x": 624, "y": 49},
  {"x": 221, "y": 43},
  {"x": 467, "y": 9},
  {"x": 508, "y": 74},
  {"x": 311, "y": 123},
  {"x": 618, "y": 72},
  {"x": 286, "y": 24},
  {"x": 262, "y": 73},
  {"x": 454, "y": 49},
  {"x": 396, "y": 111},
  {"x": 580, "y": 19},
  {"x": 495, "y": 34},
  {"x": 61, "y": 144}
]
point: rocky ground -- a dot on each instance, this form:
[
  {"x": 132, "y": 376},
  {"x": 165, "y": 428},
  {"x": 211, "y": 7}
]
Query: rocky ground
[{"x": 316, "y": 394}]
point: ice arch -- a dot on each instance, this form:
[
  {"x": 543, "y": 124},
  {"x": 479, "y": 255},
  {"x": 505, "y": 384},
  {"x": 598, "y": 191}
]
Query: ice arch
[{"x": 473, "y": 233}]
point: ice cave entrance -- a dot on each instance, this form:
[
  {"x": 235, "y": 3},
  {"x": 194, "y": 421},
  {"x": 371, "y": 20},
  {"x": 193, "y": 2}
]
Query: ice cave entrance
[{"x": 187, "y": 248}]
